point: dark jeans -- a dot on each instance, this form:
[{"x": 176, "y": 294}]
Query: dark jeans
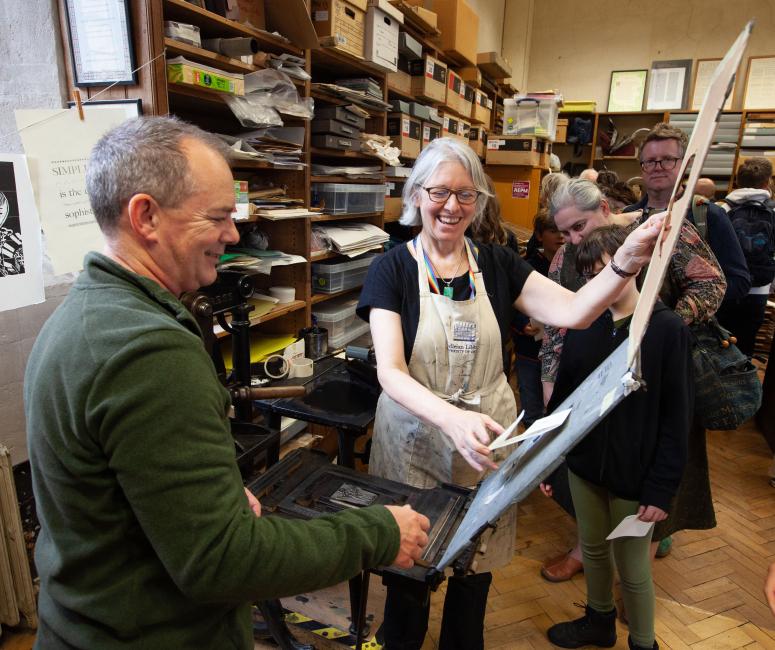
[
  {"x": 743, "y": 318},
  {"x": 408, "y": 604},
  {"x": 531, "y": 397}
]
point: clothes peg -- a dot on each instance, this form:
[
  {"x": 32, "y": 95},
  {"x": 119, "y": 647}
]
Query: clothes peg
[{"x": 78, "y": 103}]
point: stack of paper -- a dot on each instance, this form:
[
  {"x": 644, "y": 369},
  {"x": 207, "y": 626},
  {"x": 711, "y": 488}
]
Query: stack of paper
[
  {"x": 371, "y": 171},
  {"x": 352, "y": 239},
  {"x": 358, "y": 97},
  {"x": 281, "y": 146},
  {"x": 275, "y": 214}
]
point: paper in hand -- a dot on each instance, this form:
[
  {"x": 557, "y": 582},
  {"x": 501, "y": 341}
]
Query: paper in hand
[
  {"x": 631, "y": 526},
  {"x": 500, "y": 441}
]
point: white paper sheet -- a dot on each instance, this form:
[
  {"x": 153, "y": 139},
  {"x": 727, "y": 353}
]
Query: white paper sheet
[
  {"x": 538, "y": 428},
  {"x": 58, "y": 144},
  {"x": 21, "y": 264},
  {"x": 499, "y": 441},
  {"x": 631, "y": 526}
]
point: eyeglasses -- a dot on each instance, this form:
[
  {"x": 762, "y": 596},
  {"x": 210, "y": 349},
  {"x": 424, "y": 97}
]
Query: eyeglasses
[
  {"x": 667, "y": 164},
  {"x": 442, "y": 194}
]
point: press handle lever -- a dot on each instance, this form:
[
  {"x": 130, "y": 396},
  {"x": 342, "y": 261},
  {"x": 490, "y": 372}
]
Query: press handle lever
[{"x": 244, "y": 393}]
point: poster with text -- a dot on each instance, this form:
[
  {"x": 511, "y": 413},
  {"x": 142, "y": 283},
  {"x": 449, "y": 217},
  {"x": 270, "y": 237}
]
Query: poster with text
[
  {"x": 21, "y": 266},
  {"x": 58, "y": 144}
]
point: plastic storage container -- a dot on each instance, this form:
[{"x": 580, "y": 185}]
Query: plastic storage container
[
  {"x": 348, "y": 198},
  {"x": 356, "y": 329},
  {"x": 529, "y": 116},
  {"x": 333, "y": 277},
  {"x": 336, "y": 315}
]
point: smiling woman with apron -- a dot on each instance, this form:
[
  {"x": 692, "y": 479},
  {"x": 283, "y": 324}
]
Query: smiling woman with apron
[{"x": 440, "y": 309}]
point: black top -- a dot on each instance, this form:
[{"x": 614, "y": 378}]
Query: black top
[
  {"x": 638, "y": 451},
  {"x": 525, "y": 345},
  {"x": 392, "y": 284}
]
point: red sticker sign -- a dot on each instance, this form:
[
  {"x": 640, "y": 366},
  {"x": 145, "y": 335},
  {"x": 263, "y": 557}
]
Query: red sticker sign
[{"x": 520, "y": 189}]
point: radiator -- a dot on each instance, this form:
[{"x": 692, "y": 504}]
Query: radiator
[{"x": 17, "y": 597}]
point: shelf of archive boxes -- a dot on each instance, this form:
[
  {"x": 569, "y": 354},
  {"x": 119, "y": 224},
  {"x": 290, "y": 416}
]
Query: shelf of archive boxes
[
  {"x": 207, "y": 109},
  {"x": 327, "y": 65}
]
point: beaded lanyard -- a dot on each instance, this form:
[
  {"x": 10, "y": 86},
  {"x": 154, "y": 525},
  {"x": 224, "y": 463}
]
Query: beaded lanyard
[{"x": 433, "y": 282}]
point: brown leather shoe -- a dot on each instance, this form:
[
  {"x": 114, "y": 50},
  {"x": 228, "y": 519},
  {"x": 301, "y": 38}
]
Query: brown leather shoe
[{"x": 562, "y": 570}]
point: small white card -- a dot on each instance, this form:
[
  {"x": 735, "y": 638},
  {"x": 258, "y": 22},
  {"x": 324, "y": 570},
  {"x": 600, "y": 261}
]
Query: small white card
[
  {"x": 500, "y": 441},
  {"x": 538, "y": 428},
  {"x": 631, "y": 526}
]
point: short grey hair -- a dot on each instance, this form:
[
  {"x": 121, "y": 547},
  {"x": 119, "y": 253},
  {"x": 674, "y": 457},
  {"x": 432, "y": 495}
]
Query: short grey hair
[
  {"x": 583, "y": 195},
  {"x": 142, "y": 155},
  {"x": 442, "y": 150}
]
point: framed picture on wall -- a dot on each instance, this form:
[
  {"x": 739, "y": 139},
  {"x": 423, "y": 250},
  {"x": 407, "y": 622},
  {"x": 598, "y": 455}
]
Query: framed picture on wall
[
  {"x": 760, "y": 83},
  {"x": 100, "y": 42},
  {"x": 703, "y": 73},
  {"x": 132, "y": 107},
  {"x": 669, "y": 85},
  {"x": 627, "y": 90}
]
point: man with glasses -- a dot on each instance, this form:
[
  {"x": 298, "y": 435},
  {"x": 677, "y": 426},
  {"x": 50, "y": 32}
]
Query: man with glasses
[{"x": 661, "y": 156}]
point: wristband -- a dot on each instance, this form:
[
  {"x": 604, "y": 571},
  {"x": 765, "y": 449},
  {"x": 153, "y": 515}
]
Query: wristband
[{"x": 620, "y": 271}]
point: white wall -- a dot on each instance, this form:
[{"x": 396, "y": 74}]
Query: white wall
[
  {"x": 490, "y": 23},
  {"x": 31, "y": 76},
  {"x": 575, "y": 45}
]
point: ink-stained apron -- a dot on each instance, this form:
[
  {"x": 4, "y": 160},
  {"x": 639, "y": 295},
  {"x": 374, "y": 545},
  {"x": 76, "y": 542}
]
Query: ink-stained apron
[{"x": 457, "y": 354}]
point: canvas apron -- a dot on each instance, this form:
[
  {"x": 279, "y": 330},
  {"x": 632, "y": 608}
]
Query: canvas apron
[{"x": 457, "y": 354}]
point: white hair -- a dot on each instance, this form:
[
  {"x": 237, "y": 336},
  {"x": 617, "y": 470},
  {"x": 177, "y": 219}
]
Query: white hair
[
  {"x": 583, "y": 195},
  {"x": 442, "y": 150}
]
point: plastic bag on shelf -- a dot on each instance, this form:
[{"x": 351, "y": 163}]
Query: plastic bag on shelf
[
  {"x": 274, "y": 88},
  {"x": 252, "y": 115}
]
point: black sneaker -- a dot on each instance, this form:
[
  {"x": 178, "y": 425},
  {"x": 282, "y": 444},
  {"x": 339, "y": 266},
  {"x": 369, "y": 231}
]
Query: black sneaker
[
  {"x": 594, "y": 628},
  {"x": 632, "y": 646}
]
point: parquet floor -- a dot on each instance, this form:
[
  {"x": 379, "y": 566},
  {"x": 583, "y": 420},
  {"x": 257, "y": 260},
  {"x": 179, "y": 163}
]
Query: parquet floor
[{"x": 709, "y": 590}]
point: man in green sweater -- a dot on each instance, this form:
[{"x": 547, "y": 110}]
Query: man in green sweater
[{"x": 148, "y": 539}]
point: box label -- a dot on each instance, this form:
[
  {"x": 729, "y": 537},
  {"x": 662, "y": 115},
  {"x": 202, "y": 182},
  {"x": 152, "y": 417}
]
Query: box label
[
  {"x": 321, "y": 16},
  {"x": 494, "y": 145},
  {"x": 429, "y": 68},
  {"x": 520, "y": 189},
  {"x": 405, "y": 126}
]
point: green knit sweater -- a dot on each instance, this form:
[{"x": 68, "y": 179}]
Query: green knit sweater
[{"x": 147, "y": 540}]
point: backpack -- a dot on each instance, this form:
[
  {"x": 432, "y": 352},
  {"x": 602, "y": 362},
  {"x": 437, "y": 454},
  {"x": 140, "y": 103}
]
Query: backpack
[
  {"x": 754, "y": 225},
  {"x": 579, "y": 133}
]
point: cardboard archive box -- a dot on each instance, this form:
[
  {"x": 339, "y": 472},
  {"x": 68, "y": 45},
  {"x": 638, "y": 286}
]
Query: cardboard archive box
[
  {"x": 477, "y": 140},
  {"x": 456, "y": 94},
  {"x": 481, "y": 109},
  {"x": 393, "y": 201},
  {"x": 247, "y": 11},
  {"x": 459, "y": 26},
  {"x": 450, "y": 126},
  {"x": 400, "y": 81},
  {"x": 562, "y": 130},
  {"x": 406, "y": 132},
  {"x": 518, "y": 150},
  {"x": 430, "y": 131},
  {"x": 463, "y": 129},
  {"x": 429, "y": 79},
  {"x": 493, "y": 65},
  {"x": 471, "y": 75},
  {"x": 343, "y": 22},
  {"x": 381, "y": 45}
]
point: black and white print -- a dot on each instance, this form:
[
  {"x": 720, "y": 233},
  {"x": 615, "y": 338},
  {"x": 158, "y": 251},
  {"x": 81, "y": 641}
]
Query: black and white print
[{"x": 11, "y": 251}]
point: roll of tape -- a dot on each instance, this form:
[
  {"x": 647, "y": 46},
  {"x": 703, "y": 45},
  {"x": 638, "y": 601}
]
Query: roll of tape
[
  {"x": 301, "y": 367},
  {"x": 283, "y": 294},
  {"x": 285, "y": 367}
]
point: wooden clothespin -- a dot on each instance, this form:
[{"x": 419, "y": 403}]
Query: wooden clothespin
[{"x": 78, "y": 103}]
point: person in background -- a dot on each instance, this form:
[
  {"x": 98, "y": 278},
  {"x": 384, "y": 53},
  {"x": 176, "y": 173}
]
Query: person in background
[
  {"x": 528, "y": 333},
  {"x": 549, "y": 184},
  {"x": 589, "y": 174},
  {"x": 752, "y": 203},
  {"x": 637, "y": 186},
  {"x": 706, "y": 187},
  {"x": 769, "y": 588},
  {"x": 607, "y": 178},
  {"x": 148, "y": 538},
  {"x": 631, "y": 462},
  {"x": 619, "y": 196},
  {"x": 440, "y": 309},
  {"x": 660, "y": 159},
  {"x": 694, "y": 290}
]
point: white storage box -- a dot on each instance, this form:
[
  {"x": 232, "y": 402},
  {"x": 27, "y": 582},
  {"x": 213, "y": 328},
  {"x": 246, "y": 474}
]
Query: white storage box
[
  {"x": 529, "y": 116},
  {"x": 348, "y": 198},
  {"x": 381, "y": 45},
  {"x": 337, "y": 315},
  {"x": 330, "y": 277}
]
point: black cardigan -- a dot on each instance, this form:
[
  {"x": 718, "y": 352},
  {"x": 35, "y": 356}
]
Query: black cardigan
[{"x": 638, "y": 451}]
